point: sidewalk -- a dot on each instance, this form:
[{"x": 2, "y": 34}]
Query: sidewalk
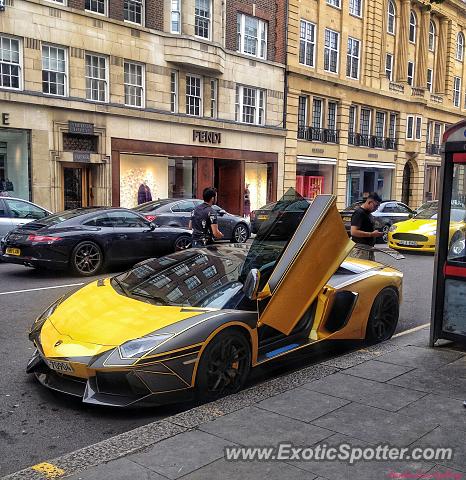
[{"x": 401, "y": 393}]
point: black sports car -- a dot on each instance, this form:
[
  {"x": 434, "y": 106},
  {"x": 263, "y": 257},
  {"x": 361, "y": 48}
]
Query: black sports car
[
  {"x": 176, "y": 212},
  {"x": 87, "y": 239}
]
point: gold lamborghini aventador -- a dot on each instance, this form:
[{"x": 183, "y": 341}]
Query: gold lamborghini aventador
[{"x": 196, "y": 322}]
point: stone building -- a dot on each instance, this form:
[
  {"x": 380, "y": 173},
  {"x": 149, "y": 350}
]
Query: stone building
[
  {"x": 99, "y": 97},
  {"x": 371, "y": 87}
]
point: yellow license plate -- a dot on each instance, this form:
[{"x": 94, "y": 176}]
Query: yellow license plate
[
  {"x": 13, "y": 251},
  {"x": 262, "y": 217},
  {"x": 60, "y": 366}
]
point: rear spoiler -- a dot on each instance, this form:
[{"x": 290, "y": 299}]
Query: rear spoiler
[{"x": 387, "y": 251}]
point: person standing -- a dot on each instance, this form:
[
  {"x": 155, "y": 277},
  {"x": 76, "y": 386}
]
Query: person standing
[
  {"x": 247, "y": 202},
  {"x": 363, "y": 230},
  {"x": 204, "y": 220}
]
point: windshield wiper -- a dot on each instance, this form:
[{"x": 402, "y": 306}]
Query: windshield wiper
[
  {"x": 120, "y": 285},
  {"x": 149, "y": 297}
]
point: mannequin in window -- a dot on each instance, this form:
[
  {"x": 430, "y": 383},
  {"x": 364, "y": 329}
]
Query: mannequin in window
[
  {"x": 144, "y": 193},
  {"x": 247, "y": 201}
]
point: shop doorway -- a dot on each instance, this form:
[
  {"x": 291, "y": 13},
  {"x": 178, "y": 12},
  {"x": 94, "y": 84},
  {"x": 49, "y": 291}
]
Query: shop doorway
[
  {"x": 229, "y": 182},
  {"x": 406, "y": 185},
  {"x": 77, "y": 191}
]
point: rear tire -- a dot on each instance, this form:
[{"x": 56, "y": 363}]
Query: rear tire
[
  {"x": 240, "y": 233},
  {"x": 224, "y": 365},
  {"x": 182, "y": 243},
  {"x": 383, "y": 317},
  {"x": 86, "y": 259}
]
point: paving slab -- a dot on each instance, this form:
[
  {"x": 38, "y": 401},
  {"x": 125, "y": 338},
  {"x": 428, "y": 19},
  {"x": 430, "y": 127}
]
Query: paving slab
[
  {"x": 377, "y": 370},
  {"x": 302, "y": 404},
  {"x": 254, "y": 426},
  {"x": 368, "y": 392},
  {"x": 375, "y": 425},
  {"x": 181, "y": 454}
]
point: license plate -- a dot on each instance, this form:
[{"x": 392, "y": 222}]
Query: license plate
[
  {"x": 347, "y": 219},
  {"x": 262, "y": 217},
  {"x": 13, "y": 251},
  {"x": 408, "y": 243},
  {"x": 59, "y": 366}
]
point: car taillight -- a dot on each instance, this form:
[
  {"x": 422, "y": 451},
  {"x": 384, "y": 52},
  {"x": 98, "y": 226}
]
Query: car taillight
[
  {"x": 151, "y": 218},
  {"x": 43, "y": 239}
]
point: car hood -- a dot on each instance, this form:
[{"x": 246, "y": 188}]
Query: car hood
[
  {"x": 416, "y": 226},
  {"x": 99, "y": 315}
]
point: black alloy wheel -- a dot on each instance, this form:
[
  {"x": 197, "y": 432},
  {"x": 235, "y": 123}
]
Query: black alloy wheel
[
  {"x": 182, "y": 243},
  {"x": 383, "y": 317},
  {"x": 224, "y": 365},
  {"x": 240, "y": 233},
  {"x": 385, "y": 230},
  {"x": 457, "y": 245},
  {"x": 86, "y": 259}
]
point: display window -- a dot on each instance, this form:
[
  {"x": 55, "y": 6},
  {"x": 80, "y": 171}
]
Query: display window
[
  {"x": 361, "y": 181},
  {"x": 314, "y": 179},
  {"x": 256, "y": 182}
]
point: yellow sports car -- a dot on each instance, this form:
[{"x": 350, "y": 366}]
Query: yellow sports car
[
  {"x": 195, "y": 322},
  {"x": 420, "y": 232}
]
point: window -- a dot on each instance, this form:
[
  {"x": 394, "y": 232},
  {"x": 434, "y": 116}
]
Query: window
[
  {"x": 365, "y": 122},
  {"x": 334, "y": 3},
  {"x": 437, "y": 133},
  {"x": 410, "y": 73},
  {"x": 307, "y": 43},
  {"x": 428, "y": 131},
  {"x": 96, "y": 78},
  {"x": 174, "y": 92},
  {"x": 352, "y": 58},
  {"x": 460, "y": 46},
  {"x": 175, "y": 19},
  {"x": 213, "y": 97},
  {"x": 302, "y": 111},
  {"x": 412, "y": 27},
  {"x": 10, "y": 67},
  {"x": 391, "y": 17},
  {"x": 22, "y": 209},
  {"x": 418, "y": 132},
  {"x": 429, "y": 79},
  {"x": 251, "y": 35},
  {"x": 317, "y": 113},
  {"x": 133, "y": 11},
  {"x": 379, "y": 124},
  {"x": 389, "y": 66},
  {"x": 202, "y": 18},
  {"x": 332, "y": 40},
  {"x": 432, "y": 36},
  {"x": 193, "y": 95},
  {"x": 332, "y": 115},
  {"x": 126, "y": 220},
  {"x": 352, "y": 119},
  {"x": 392, "y": 126},
  {"x": 96, "y": 6},
  {"x": 134, "y": 84},
  {"x": 410, "y": 127},
  {"x": 250, "y": 105},
  {"x": 54, "y": 71},
  {"x": 456, "y": 91},
  {"x": 192, "y": 282},
  {"x": 355, "y": 7},
  {"x": 185, "y": 206}
]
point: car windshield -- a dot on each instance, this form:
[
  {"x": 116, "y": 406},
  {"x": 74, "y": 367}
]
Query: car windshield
[
  {"x": 209, "y": 277},
  {"x": 457, "y": 214},
  {"x": 57, "y": 218},
  {"x": 151, "y": 206}
]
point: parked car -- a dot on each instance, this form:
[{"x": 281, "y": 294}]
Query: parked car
[
  {"x": 176, "y": 212},
  {"x": 87, "y": 239},
  {"x": 190, "y": 323},
  {"x": 15, "y": 212},
  {"x": 389, "y": 212},
  {"x": 420, "y": 232}
]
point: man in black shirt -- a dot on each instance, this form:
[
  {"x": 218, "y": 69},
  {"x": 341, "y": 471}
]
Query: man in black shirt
[
  {"x": 362, "y": 226},
  {"x": 204, "y": 220}
]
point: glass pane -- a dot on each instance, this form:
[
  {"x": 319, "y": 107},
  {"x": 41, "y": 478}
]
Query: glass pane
[
  {"x": 457, "y": 251},
  {"x": 73, "y": 185}
]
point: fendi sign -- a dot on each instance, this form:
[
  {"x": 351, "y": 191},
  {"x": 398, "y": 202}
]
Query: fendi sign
[{"x": 204, "y": 136}]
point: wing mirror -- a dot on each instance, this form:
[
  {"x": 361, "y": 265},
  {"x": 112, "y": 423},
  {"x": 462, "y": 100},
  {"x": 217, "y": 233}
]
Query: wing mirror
[
  {"x": 251, "y": 286},
  {"x": 152, "y": 226},
  {"x": 221, "y": 212}
]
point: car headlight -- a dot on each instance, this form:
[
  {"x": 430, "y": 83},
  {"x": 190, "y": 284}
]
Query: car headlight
[
  {"x": 137, "y": 348},
  {"x": 393, "y": 228}
]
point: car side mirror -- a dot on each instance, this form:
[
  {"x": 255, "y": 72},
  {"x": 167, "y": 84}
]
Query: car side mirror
[
  {"x": 251, "y": 286},
  {"x": 152, "y": 226},
  {"x": 221, "y": 212},
  {"x": 411, "y": 215}
]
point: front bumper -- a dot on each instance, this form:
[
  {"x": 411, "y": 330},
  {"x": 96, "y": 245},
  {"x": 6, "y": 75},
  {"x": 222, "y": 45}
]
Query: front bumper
[{"x": 428, "y": 247}]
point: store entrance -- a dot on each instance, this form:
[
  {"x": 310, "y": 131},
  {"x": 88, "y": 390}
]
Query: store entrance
[
  {"x": 77, "y": 190},
  {"x": 228, "y": 180}
]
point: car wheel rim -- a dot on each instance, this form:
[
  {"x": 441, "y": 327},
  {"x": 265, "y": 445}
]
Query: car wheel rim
[
  {"x": 385, "y": 233},
  {"x": 228, "y": 362},
  {"x": 458, "y": 247},
  {"x": 240, "y": 234},
  {"x": 182, "y": 243},
  {"x": 385, "y": 316},
  {"x": 87, "y": 258}
]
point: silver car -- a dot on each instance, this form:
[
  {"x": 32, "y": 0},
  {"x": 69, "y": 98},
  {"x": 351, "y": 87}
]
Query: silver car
[{"x": 15, "y": 212}]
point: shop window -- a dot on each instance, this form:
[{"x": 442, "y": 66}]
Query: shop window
[
  {"x": 307, "y": 43},
  {"x": 96, "y": 6},
  {"x": 80, "y": 143},
  {"x": 193, "y": 95},
  {"x": 134, "y": 84},
  {"x": 133, "y": 11},
  {"x": 175, "y": 16},
  {"x": 10, "y": 63},
  {"x": 54, "y": 70},
  {"x": 96, "y": 78},
  {"x": 202, "y": 20},
  {"x": 313, "y": 179},
  {"x": 251, "y": 35},
  {"x": 332, "y": 41},
  {"x": 250, "y": 105}
]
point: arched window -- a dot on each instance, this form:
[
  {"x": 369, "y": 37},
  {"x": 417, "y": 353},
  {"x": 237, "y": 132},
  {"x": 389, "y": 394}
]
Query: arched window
[
  {"x": 460, "y": 47},
  {"x": 412, "y": 27},
  {"x": 391, "y": 17},
  {"x": 432, "y": 36}
]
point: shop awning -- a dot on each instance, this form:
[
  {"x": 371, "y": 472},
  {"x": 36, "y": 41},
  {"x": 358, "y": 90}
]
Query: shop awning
[
  {"x": 357, "y": 163},
  {"x": 316, "y": 160}
]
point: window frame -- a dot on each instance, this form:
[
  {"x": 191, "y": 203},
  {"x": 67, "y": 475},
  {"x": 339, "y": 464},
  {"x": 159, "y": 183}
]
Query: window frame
[
  {"x": 143, "y": 12},
  {"x": 390, "y": 78},
  {"x": 172, "y": 11},
  {"x": 174, "y": 93},
  {"x": 361, "y": 123},
  {"x": 410, "y": 83},
  {"x": 378, "y": 114},
  {"x": 106, "y": 80},
  {"x": 353, "y": 13},
  {"x": 459, "y": 54},
  {"x": 432, "y": 34},
  {"x": 412, "y": 27},
  {"x": 201, "y": 97},
  {"x": 392, "y": 15},
  {"x": 328, "y": 51},
  {"x": 213, "y": 97},
  {"x": 19, "y": 64},
  {"x": 303, "y": 100},
  {"x": 105, "y": 14},
  {"x": 142, "y": 86},
  {"x": 334, "y": 3},
  {"x": 418, "y": 128},
  {"x": 209, "y": 28},
  {"x": 350, "y": 58},
  {"x": 431, "y": 83},
  {"x": 239, "y": 105},
  {"x": 335, "y": 115},
  {"x": 410, "y": 131},
  {"x": 456, "y": 98},
  {"x": 65, "y": 73},
  {"x": 307, "y": 43},
  {"x": 262, "y": 30},
  {"x": 315, "y": 101}
]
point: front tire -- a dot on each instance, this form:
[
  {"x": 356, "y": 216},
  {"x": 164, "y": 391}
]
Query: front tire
[
  {"x": 182, "y": 243},
  {"x": 224, "y": 365},
  {"x": 385, "y": 230},
  {"x": 87, "y": 259},
  {"x": 240, "y": 233},
  {"x": 383, "y": 317}
]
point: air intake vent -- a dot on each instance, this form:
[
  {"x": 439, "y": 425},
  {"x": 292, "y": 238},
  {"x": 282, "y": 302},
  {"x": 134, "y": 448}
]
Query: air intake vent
[
  {"x": 32, "y": 43},
  {"x": 53, "y": 12}
]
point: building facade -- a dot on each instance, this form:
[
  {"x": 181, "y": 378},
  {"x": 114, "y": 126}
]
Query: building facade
[
  {"x": 113, "y": 102},
  {"x": 371, "y": 86}
]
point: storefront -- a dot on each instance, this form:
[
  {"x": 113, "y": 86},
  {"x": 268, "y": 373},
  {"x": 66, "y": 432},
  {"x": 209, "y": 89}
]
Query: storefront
[
  {"x": 431, "y": 184},
  {"x": 314, "y": 175},
  {"x": 15, "y": 163},
  {"x": 366, "y": 177}
]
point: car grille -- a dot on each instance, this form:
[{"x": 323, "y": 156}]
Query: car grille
[{"x": 410, "y": 236}]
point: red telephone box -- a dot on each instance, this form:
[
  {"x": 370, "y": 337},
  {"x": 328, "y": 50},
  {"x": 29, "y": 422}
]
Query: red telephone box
[{"x": 449, "y": 293}]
